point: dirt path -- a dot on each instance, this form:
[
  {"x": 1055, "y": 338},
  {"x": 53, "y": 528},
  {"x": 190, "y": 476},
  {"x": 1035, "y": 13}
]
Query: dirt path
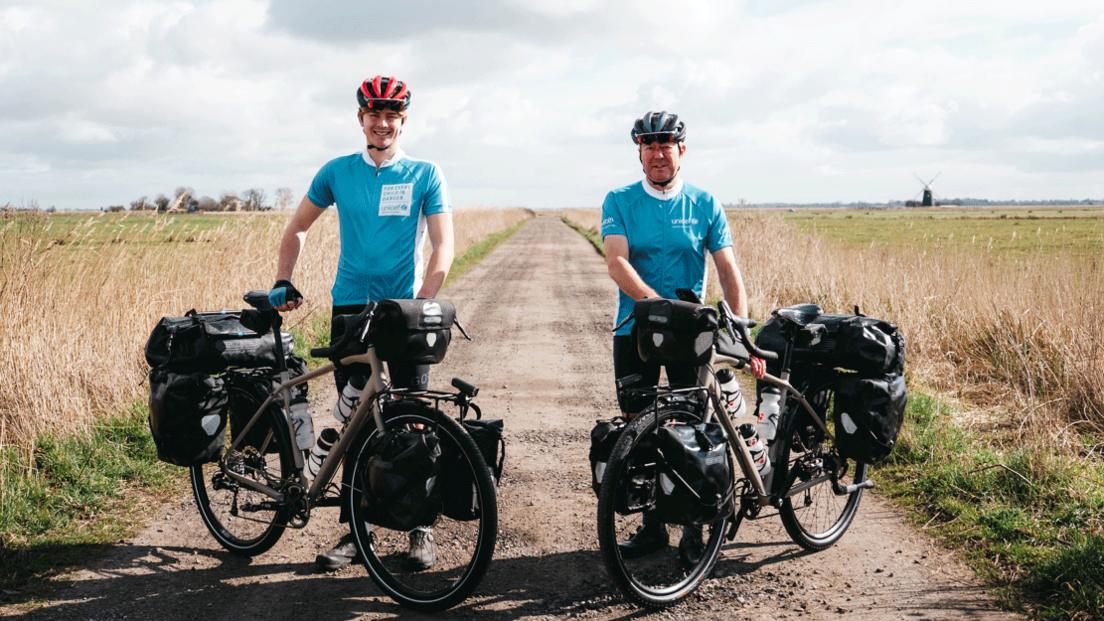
[{"x": 540, "y": 308}]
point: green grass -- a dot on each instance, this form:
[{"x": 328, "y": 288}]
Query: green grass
[
  {"x": 1014, "y": 232},
  {"x": 589, "y": 233},
  {"x": 143, "y": 228},
  {"x": 1028, "y": 520},
  {"x": 75, "y": 496}
]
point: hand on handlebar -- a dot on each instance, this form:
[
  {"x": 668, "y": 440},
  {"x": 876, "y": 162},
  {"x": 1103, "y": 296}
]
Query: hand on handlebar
[
  {"x": 284, "y": 296},
  {"x": 758, "y": 367}
]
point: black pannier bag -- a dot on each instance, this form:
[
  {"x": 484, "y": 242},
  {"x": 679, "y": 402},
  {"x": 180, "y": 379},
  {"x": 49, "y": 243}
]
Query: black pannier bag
[
  {"x": 674, "y": 331},
  {"x": 460, "y": 500},
  {"x": 695, "y": 487},
  {"x": 210, "y": 342},
  {"x": 401, "y": 481},
  {"x": 871, "y": 346},
  {"x": 603, "y": 436},
  {"x": 412, "y": 331},
  {"x": 187, "y": 416},
  {"x": 868, "y": 415},
  {"x": 864, "y": 344},
  {"x": 248, "y": 388},
  {"x": 637, "y": 492}
]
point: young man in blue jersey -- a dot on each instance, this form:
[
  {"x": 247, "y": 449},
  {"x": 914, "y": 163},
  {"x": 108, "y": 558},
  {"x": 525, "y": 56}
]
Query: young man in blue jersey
[
  {"x": 657, "y": 233},
  {"x": 386, "y": 202}
]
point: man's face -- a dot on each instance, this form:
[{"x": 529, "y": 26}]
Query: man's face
[
  {"x": 381, "y": 127},
  {"x": 661, "y": 160}
]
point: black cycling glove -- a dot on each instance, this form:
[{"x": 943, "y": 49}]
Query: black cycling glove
[{"x": 283, "y": 292}]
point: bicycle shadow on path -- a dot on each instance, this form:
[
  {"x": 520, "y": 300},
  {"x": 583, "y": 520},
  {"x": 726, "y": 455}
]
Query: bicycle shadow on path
[{"x": 167, "y": 583}]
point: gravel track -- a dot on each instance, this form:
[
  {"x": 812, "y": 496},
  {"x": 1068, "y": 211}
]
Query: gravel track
[{"x": 540, "y": 308}]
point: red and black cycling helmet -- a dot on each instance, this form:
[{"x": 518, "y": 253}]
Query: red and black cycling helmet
[
  {"x": 659, "y": 126},
  {"x": 383, "y": 93}
]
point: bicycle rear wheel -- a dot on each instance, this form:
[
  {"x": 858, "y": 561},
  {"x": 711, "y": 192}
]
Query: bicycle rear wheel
[
  {"x": 662, "y": 578},
  {"x": 244, "y": 521},
  {"x": 814, "y": 515},
  {"x": 464, "y": 548}
]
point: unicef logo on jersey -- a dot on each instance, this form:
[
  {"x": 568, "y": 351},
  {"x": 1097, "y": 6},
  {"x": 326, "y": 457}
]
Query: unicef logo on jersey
[{"x": 684, "y": 222}]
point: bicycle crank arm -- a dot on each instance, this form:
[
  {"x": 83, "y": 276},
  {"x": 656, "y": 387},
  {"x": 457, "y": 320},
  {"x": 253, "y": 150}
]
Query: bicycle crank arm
[{"x": 844, "y": 490}]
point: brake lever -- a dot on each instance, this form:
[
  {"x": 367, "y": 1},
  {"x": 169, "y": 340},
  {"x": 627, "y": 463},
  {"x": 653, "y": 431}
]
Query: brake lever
[
  {"x": 726, "y": 312},
  {"x": 456, "y": 321}
]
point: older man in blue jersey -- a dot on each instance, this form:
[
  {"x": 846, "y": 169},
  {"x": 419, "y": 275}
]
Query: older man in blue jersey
[
  {"x": 386, "y": 202},
  {"x": 657, "y": 233}
]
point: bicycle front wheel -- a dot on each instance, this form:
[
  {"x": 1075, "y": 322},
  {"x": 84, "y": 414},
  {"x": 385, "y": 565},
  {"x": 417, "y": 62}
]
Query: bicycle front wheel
[
  {"x": 816, "y": 517},
  {"x": 664, "y": 574},
  {"x": 463, "y": 547},
  {"x": 245, "y": 521}
]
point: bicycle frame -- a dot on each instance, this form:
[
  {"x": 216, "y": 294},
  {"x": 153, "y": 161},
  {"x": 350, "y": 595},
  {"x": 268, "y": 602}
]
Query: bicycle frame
[
  {"x": 368, "y": 406},
  {"x": 707, "y": 380}
]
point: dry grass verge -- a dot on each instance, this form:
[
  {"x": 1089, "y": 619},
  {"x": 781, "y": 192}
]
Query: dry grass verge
[{"x": 80, "y": 293}]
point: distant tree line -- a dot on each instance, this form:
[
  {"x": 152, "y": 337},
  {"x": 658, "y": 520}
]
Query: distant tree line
[
  {"x": 950, "y": 202},
  {"x": 185, "y": 200}
]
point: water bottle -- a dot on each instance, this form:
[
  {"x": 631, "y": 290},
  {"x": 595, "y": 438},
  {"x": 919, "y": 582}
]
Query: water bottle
[
  {"x": 348, "y": 399},
  {"x": 757, "y": 449},
  {"x": 770, "y": 399},
  {"x": 731, "y": 395},
  {"x": 326, "y": 439},
  {"x": 302, "y": 424}
]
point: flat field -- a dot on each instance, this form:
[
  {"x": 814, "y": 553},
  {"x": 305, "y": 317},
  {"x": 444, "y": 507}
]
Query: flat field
[
  {"x": 1008, "y": 231},
  {"x": 79, "y": 294}
]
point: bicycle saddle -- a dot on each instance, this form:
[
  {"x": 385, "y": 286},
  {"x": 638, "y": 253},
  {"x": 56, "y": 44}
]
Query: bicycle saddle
[{"x": 799, "y": 315}]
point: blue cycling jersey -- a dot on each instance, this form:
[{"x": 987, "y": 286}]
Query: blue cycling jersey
[
  {"x": 668, "y": 234},
  {"x": 381, "y": 212}
]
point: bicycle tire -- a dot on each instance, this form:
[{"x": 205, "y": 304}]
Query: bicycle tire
[
  {"x": 457, "y": 572},
  {"x": 629, "y": 581},
  {"x": 244, "y": 521},
  {"x": 816, "y": 518}
]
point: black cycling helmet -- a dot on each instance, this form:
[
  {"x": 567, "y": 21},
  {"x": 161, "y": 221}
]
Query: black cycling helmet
[
  {"x": 380, "y": 93},
  {"x": 659, "y": 126}
]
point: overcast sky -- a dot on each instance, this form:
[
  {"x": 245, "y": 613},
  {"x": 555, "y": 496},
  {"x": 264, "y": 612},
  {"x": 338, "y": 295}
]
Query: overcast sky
[{"x": 530, "y": 103}]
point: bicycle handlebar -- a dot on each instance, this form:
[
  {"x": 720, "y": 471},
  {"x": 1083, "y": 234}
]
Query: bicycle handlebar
[
  {"x": 738, "y": 329},
  {"x": 366, "y": 314},
  {"x": 326, "y": 352}
]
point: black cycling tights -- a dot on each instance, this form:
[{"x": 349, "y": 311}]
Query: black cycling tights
[{"x": 626, "y": 362}]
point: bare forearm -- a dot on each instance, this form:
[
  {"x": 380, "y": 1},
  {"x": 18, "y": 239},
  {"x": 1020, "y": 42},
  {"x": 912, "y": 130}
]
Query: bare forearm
[
  {"x": 628, "y": 280},
  {"x": 440, "y": 262},
  {"x": 734, "y": 293},
  {"x": 290, "y": 246}
]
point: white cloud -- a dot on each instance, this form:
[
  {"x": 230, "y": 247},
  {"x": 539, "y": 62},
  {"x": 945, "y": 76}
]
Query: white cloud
[{"x": 531, "y": 103}]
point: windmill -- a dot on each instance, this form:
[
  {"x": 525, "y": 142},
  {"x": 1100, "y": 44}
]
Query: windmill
[{"x": 926, "y": 193}]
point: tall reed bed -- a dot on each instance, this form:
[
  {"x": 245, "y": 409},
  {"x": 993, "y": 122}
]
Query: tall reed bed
[
  {"x": 79, "y": 295},
  {"x": 1018, "y": 333}
]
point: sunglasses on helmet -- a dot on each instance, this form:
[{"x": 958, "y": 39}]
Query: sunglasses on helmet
[
  {"x": 660, "y": 137},
  {"x": 386, "y": 104}
]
